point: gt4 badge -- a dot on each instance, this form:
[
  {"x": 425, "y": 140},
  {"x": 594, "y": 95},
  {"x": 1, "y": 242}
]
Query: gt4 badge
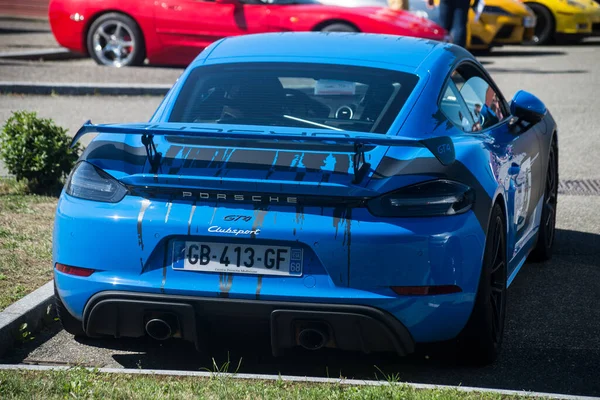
[{"x": 234, "y": 218}]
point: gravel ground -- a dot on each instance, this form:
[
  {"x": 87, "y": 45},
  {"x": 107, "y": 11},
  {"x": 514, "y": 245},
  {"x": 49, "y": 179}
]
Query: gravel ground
[{"x": 552, "y": 342}]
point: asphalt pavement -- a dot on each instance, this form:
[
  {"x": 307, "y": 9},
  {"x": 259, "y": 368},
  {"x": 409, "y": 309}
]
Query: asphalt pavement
[
  {"x": 22, "y": 35},
  {"x": 552, "y": 338},
  {"x": 83, "y": 70}
]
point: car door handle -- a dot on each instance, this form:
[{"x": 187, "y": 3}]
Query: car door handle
[{"x": 514, "y": 169}]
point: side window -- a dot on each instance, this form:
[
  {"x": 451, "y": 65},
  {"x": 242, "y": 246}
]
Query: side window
[
  {"x": 485, "y": 105},
  {"x": 455, "y": 109}
]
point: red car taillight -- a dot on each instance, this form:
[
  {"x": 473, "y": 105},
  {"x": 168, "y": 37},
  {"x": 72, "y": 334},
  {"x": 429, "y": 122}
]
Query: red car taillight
[{"x": 76, "y": 271}]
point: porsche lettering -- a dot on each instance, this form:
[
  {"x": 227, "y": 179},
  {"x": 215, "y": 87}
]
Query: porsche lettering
[{"x": 241, "y": 197}]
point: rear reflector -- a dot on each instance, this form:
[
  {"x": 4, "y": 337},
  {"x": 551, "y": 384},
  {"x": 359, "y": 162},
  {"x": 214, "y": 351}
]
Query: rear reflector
[
  {"x": 76, "y": 271},
  {"x": 425, "y": 290}
]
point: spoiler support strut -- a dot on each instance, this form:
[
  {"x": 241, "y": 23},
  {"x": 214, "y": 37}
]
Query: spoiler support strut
[
  {"x": 154, "y": 157},
  {"x": 361, "y": 167}
]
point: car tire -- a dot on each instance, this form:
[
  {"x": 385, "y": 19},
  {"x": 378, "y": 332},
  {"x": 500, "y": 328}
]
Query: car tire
[
  {"x": 116, "y": 40},
  {"x": 545, "y": 240},
  {"x": 545, "y": 23},
  {"x": 480, "y": 341},
  {"x": 69, "y": 323},
  {"x": 339, "y": 27}
]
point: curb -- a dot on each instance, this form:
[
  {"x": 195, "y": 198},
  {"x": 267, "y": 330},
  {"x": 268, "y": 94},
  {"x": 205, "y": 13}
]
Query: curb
[
  {"x": 33, "y": 310},
  {"x": 83, "y": 89},
  {"x": 287, "y": 378},
  {"x": 46, "y": 55}
]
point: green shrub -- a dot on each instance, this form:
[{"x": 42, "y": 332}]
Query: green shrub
[{"x": 36, "y": 150}]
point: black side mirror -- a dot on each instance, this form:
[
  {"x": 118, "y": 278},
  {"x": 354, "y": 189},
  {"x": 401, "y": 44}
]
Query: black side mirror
[{"x": 526, "y": 107}]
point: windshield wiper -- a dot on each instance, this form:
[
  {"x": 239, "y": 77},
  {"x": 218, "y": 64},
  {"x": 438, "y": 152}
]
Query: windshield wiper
[{"x": 305, "y": 121}]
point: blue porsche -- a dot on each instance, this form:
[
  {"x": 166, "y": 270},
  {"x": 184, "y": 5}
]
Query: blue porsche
[{"x": 349, "y": 191}]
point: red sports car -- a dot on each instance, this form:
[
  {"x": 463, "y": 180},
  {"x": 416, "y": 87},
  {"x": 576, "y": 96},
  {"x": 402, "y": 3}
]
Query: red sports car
[{"x": 172, "y": 32}]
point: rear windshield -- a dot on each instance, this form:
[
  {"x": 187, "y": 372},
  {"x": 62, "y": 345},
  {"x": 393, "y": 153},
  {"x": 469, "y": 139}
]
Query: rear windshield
[{"x": 319, "y": 96}]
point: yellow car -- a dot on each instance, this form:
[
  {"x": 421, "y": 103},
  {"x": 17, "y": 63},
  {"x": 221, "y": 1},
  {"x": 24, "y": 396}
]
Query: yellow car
[
  {"x": 594, "y": 9},
  {"x": 501, "y": 22},
  {"x": 564, "y": 20}
]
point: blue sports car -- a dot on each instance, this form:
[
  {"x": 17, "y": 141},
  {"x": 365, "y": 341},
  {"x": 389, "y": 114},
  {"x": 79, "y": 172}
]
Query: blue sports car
[{"x": 350, "y": 191}]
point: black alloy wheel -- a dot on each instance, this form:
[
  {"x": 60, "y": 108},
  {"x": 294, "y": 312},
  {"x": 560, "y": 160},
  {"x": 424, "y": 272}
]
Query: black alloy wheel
[
  {"x": 547, "y": 232},
  {"x": 480, "y": 341},
  {"x": 116, "y": 40},
  {"x": 498, "y": 283}
]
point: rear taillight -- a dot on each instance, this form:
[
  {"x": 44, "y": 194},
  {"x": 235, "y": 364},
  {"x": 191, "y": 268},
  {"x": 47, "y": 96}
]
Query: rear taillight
[
  {"x": 89, "y": 182},
  {"x": 425, "y": 290},
  {"x": 75, "y": 271},
  {"x": 425, "y": 199}
]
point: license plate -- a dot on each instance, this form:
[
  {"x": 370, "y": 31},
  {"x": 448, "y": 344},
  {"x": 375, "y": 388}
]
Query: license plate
[
  {"x": 529, "y": 22},
  {"x": 237, "y": 258}
]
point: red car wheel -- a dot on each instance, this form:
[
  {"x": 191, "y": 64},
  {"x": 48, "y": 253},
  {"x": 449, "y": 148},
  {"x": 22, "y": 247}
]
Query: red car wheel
[{"x": 116, "y": 40}]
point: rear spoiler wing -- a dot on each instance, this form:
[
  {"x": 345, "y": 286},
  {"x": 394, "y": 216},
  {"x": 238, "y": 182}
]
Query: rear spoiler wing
[{"x": 441, "y": 147}]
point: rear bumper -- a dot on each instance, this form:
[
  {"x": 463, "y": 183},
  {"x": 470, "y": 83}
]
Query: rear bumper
[
  {"x": 130, "y": 250},
  {"x": 347, "y": 327}
]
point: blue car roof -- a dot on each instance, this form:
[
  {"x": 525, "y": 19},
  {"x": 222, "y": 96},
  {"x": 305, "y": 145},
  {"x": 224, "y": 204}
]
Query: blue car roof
[{"x": 400, "y": 52}]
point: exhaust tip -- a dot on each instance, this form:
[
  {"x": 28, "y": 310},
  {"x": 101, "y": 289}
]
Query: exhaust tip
[
  {"x": 158, "y": 329},
  {"x": 312, "y": 339}
]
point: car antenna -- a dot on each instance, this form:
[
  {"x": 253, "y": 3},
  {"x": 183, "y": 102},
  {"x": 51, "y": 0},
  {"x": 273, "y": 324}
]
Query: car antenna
[{"x": 154, "y": 157}]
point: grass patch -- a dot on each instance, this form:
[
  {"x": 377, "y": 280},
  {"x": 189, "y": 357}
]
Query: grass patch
[
  {"x": 26, "y": 223},
  {"x": 80, "y": 383}
]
